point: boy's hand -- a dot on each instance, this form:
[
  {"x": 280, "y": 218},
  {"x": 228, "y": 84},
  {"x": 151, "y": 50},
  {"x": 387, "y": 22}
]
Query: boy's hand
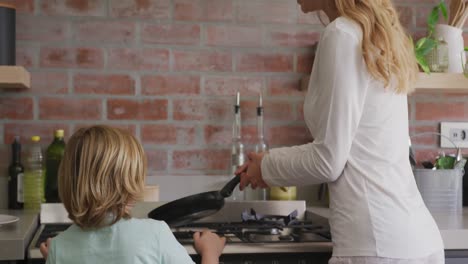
[
  {"x": 44, "y": 248},
  {"x": 208, "y": 244}
]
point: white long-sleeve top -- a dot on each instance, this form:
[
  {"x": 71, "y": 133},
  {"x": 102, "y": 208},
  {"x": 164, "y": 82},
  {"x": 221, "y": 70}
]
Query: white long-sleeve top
[{"x": 360, "y": 148}]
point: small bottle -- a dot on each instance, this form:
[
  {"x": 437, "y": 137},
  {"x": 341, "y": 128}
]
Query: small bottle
[
  {"x": 54, "y": 155},
  {"x": 15, "y": 177},
  {"x": 34, "y": 176},
  {"x": 237, "y": 147},
  {"x": 261, "y": 146}
]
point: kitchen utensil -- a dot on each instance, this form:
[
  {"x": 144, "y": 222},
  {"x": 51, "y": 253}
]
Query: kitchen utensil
[
  {"x": 194, "y": 207},
  {"x": 8, "y": 219}
]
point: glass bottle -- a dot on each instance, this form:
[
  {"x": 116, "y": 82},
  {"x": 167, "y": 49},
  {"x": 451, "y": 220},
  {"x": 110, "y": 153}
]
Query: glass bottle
[
  {"x": 260, "y": 147},
  {"x": 54, "y": 155},
  {"x": 15, "y": 177},
  {"x": 438, "y": 57},
  {"x": 34, "y": 176},
  {"x": 237, "y": 147}
]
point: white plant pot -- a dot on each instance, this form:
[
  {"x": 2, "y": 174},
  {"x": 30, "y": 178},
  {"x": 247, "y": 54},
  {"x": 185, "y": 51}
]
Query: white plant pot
[{"x": 454, "y": 38}]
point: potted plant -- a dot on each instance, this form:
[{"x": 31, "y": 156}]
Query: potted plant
[{"x": 426, "y": 44}]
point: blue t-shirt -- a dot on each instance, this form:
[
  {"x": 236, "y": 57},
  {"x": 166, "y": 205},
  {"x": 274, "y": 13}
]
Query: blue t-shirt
[{"x": 132, "y": 241}]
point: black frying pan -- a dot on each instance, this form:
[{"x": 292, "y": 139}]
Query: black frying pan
[{"x": 194, "y": 207}]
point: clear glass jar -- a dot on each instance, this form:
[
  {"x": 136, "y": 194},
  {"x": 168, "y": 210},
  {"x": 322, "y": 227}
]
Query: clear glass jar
[{"x": 438, "y": 58}]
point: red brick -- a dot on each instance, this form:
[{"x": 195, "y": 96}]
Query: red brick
[
  {"x": 309, "y": 18},
  {"x": 204, "y": 10},
  {"x": 273, "y": 111},
  {"x": 139, "y": 59},
  {"x": 202, "y": 60},
  {"x": 264, "y": 62},
  {"x": 199, "y": 109},
  {"x": 417, "y": 138},
  {"x": 174, "y": 34},
  {"x": 421, "y": 16},
  {"x": 291, "y": 36},
  {"x": 156, "y": 9},
  {"x": 49, "y": 82},
  {"x": 441, "y": 111},
  {"x": 16, "y": 107},
  {"x": 170, "y": 85},
  {"x": 74, "y": 7},
  {"x": 305, "y": 62},
  {"x": 55, "y": 108},
  {"x": 229, "y": 85},
  {"x": 34, "y": 28},
  {"x": 22, "y": 6},
  {"x": 127, "y": 127},
  {"x": 92, "y": 58},
  {"x": 168, "y": 134},
  {"x": 115, "y": 84},
  {"x": 26, "y": 56},
  {"x": 406, "y": 16},
  {"x": 129, "y": 109},
  {"x": 205, "y": 159},
  {"x": 289, "y": 135},
  {"x": 285, "y": 86},
  {"x": 233, "y": 36},
  {"x": 300, "y": 112},
  {"x": 105, "y": 31},
  {"x": 157, "y": 159},
  {"x": 222, "y": 135},
  {"x": 27, "y": 130},
  {"x": 273, "y": 11}
]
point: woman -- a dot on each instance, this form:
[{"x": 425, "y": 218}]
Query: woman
[{"x": 356, "y": 109}]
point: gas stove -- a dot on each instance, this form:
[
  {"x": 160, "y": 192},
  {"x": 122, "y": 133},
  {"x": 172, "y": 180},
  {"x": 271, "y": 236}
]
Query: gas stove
[
  {"x": 256, "y": 232},
  {"x": 255, "y": 228}
]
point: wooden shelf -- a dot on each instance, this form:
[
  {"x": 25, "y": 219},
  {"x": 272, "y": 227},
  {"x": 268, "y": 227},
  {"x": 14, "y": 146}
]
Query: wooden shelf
[
  {"x": 442, "y": 82},
  {"x": 14, "y": 77}
]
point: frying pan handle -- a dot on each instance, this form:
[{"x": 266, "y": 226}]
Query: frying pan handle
[{"x": 230, "y": 186}]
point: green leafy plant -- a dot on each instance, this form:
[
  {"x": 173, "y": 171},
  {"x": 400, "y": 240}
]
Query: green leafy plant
[{"x": 426, "y": 44}]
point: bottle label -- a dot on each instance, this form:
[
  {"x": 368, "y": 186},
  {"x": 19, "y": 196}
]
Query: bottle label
[{"x": 20, "y": 194}]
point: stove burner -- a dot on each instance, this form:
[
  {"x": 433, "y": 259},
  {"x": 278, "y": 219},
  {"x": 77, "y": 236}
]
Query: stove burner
[{"x": 280, "y": 219}]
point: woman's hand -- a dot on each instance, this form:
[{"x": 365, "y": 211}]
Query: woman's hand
[
  {"x": 251, "y": 172},
  {"x": 44, "y": 248},
  {"x": 209, "y": 246}
]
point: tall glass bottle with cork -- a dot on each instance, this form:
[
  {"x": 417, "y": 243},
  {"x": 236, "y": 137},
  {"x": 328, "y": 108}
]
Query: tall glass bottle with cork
[
  {"x": 54, "y": 155},
  {"x": 34, "y": 176},
  {"x": 15, "y": 177},
  {"x": 237, "y": 147}
]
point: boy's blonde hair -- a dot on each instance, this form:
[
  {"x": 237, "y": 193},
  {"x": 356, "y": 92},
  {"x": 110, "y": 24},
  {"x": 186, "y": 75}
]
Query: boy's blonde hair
[{"x": 102, "y": 171}]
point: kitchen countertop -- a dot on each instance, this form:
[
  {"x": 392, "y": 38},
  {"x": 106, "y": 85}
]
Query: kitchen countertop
[
  {"x": 453, "y": 226},
  {"x": 15, "y": 237}
]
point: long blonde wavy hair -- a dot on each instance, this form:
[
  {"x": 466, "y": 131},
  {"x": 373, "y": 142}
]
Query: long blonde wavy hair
[
  {"x": 387, "y": 49},
  {"x": 102, "y": 171}
]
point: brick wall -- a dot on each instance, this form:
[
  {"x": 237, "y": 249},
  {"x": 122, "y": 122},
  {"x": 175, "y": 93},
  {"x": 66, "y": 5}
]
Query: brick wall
[{"x": 167, "y": 70}]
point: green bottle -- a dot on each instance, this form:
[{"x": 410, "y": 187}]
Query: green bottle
[{"x": 54, "y": 155}]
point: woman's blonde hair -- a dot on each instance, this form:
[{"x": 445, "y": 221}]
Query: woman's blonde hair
[
  {"x": 102, "y": 171},
  {"x": 388, "y": 50}
]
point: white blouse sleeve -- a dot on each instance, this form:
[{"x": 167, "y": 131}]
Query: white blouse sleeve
[{"x": 342, "y": 80}]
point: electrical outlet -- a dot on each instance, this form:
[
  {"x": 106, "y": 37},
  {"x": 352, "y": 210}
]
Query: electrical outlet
[{"x": 456, "y": 131}]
